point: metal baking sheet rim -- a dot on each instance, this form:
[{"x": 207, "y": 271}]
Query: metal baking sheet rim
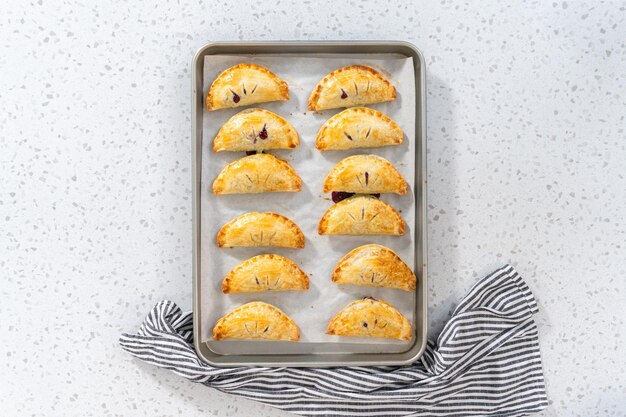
[{"x": 420, "y": 267}]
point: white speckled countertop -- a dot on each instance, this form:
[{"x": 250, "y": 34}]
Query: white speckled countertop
[{"x": 526, "y": 159}]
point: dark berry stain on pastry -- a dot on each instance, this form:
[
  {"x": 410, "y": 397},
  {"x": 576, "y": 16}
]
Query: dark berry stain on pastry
[
  {"x": 263, "y": 133},
  {"x": 365, "y": 324},
  {"x": 344, "y": 94}
]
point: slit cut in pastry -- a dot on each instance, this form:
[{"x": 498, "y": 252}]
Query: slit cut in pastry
[
  {"x": 374, "y": 266},
  {"x": 370, "y": 318},
  {"x": 365, "y": 174},
  {"x": 361, "y": 215},
  {"x": 358, "y": 127},
  {"x": 255, "y": 130},
  {"x": 351, "y": 86},
  {"x": 256, "y": 320},
  {"x": 260, "y": 173},
  {"x": 260, "y": 229},
  {"x": 265, "y": 273},
  {"x": 245, "y": 84}
]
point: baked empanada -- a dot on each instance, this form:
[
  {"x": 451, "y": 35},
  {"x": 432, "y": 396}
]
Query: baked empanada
[
  {"x": 256, "y": 320},
  {"x": 260, "y": 229},
  {"x": 361, "y": 215},
  {"x": 258, "y": 173},
  {"x": 255, "y": 130},
  {"x": 374, "y": 266},
  {"x": 370, "y": 318},
  {"x": 245, "y": 84},
  {"x": 365, "y": 174},
  {"x": 358, "y": 127},
  {"x": 265, "y": 273},
  {"x": 351, "y": 86}
]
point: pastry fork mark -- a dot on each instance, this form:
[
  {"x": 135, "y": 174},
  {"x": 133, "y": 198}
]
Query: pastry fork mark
[
  {"x": 254, "y": 89},
  {"x": 271, "y": 237},
  {"x": 359, "y": 180},
  {"x": 243, "y": 84},
  {"x": 356, "y": 88},
  {"x": 368, "y": 86},
  {"x": 347, "y": 135},
  {"x": 381, "y": 278},
  {"x": 368, "y": 132},
  {"x": 353, "y": 218},
  {"x": 250, "y": 179},
  {"x": 374, "y": 216},
  {"x": 363, "y": 213}
]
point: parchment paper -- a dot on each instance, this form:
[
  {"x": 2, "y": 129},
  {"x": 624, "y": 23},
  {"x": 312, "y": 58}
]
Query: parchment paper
[{"x": 311, "y": 309}]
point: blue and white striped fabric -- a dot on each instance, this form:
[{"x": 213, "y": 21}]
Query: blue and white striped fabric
[{"x": 486, "y": 362}]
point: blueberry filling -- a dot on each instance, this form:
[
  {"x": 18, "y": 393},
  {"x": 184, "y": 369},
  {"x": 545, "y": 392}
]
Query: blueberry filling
[
  {"x": 367, "y": 178},
  {"x": 365, "y": 324},
  {"x": 263, "y": 133},
  {"x": 236, "y": 97},
  {"x": 338, "y": 196},
  {"x": 343, "y": 93}
]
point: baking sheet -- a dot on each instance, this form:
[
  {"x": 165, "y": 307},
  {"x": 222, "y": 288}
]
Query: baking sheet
[{"x": 311, "y": 309}]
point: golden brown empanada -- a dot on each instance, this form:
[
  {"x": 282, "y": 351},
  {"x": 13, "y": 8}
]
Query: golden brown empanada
[
  {"x": 374, "y": 266},
  {"x": 361, "y": 215},
  {"x": 351, "y": 86},
  {"x": 358, "y": 127},
  {"x": 256, "y": 320},
  {"x": 258, "y": 173},
  {"x": 265, "y": 273},
  {"x": 365, "y": 174},
  {"x": 245, "y": 84},
  {"x": 260, "y": 229},
  {"x": 255, "y": 130},
  {"x": 370, "y": 318}
]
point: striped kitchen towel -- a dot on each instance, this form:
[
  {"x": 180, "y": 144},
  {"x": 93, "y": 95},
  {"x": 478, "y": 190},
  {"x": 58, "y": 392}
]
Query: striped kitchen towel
[{"x": 486, "y": 362}]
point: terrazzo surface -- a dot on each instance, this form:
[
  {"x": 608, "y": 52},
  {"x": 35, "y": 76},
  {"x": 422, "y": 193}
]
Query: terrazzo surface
[{"x": 526, "y": 151}]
